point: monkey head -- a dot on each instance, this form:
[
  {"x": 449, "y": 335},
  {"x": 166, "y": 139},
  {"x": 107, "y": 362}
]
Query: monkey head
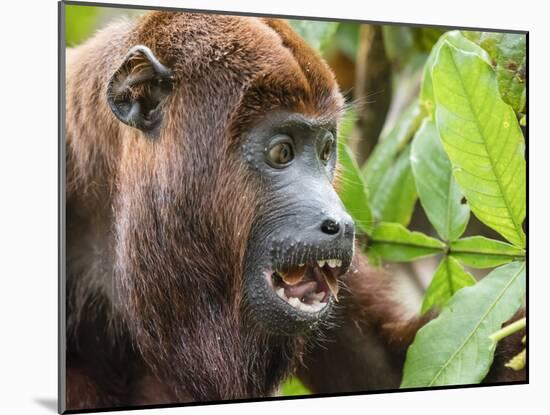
[{"x": 226, "y": 221}]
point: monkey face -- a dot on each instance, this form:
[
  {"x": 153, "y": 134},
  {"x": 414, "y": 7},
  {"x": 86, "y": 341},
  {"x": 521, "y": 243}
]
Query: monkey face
[{"x": 302, "y": 241}]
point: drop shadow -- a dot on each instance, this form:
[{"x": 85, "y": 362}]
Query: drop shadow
[{"x": 48, "y": 403}]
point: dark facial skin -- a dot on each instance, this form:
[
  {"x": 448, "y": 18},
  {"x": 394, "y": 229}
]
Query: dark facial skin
[{"x": 302, "y": 224}]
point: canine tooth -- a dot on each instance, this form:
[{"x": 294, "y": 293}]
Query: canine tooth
[
  {"x": 317, "y": 296},
  {"x": 281, "y": 293},
  {"x": 321, "y": 263},
  {"x": 294, "y": 302},
  {"x": 293, "y": 277},
  {"x": 332, "y": 284},
  {"x": 301, "y": 265}
]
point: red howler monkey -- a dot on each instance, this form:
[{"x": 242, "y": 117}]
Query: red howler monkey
[{"x": 205, "y": 241}]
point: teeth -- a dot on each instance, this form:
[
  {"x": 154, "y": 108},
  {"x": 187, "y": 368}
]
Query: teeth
[
  {"x": 312, "y": 302},
  {"x": 333, "y": 263},
  {"x": 293, "y": 277},
  {"x": 318, "y": 297},
  {"x": 311, "y": 308},
  {"x": 306, "y": 307},
  {"x": 302, "y": 306},
  {"x": 332, "y": 284},
  {"x": 315, "y": 306},
  {"x": 281, "y": 293}
]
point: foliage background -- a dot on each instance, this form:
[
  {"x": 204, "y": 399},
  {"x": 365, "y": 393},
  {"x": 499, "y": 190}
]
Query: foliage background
[{"x": 433, "y": 172}]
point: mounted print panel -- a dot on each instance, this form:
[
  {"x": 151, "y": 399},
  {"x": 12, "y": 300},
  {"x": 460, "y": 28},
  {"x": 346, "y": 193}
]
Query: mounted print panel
[{"x": 259, "y": 207}]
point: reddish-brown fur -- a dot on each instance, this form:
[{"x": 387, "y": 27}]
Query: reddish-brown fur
[{"x": 157, "y": 229}]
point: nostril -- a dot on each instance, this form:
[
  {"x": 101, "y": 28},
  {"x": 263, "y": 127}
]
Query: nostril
[{"x": 330, "y": 226}]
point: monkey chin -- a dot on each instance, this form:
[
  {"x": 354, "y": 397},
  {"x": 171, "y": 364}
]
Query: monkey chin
[{"x": 294, "y": 298}]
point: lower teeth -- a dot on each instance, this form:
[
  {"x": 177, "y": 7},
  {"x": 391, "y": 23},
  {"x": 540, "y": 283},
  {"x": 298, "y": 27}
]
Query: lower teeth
[{"x": 314, "y": 306}]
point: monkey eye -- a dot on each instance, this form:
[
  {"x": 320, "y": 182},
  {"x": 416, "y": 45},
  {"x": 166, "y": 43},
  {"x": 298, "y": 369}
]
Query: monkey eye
[
  {"x": 281, "y": 152},
  {"x": 326, "y": 151}
]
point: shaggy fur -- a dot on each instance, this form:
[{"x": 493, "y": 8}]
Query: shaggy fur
[{"x": 157, "y": 229}]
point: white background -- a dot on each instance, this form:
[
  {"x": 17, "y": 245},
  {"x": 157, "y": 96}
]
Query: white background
[{"x": 28, "y": 203}]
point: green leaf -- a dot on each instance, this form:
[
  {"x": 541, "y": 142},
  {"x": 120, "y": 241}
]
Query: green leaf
[
  {"x": 351, "y": 187},
  {"x": 373, "y": 256},
  {"x": 80, "y": 23},
  {"x": 455, "y": 347},
  {"x": 437, "y": 189},
  {"x": 518, "y": 361},
  {"x": 456, "y": 39},
  {"x": 394, "y": 242},
  {"x": 512, "y": 70},
  {"x": 449, "y": 277},
  {"x": 508, "y": 56},
  {"x": 483, "y": 140},
  {"x": 352, "y": 190},
  {"x": 523, "y": 121},
  {"x": 487, "y": 40},
  {"x": 481, "y": 252},
  {"x": 316, "y": 34},
  {"x": 346, "y": 124},
  {"x": 293, "y": 387},
  {"x": 390, "y": 145},
  {"x": 396, "y": 195},
  {"x": 388, "y": 168}
]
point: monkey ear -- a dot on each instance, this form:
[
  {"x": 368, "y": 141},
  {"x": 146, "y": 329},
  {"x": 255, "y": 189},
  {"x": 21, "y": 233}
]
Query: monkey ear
[{"x": 138, "y": 89}]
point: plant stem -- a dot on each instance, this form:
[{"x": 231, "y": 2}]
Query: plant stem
[{"x": 508, "y": 330}]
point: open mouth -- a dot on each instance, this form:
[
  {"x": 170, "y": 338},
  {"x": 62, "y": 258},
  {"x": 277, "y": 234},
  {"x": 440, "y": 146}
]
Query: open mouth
[{"x": 307, "y": 287}]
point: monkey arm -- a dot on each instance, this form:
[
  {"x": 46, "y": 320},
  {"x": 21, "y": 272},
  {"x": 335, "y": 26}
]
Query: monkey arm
[{"x": 365, "y": 348}]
